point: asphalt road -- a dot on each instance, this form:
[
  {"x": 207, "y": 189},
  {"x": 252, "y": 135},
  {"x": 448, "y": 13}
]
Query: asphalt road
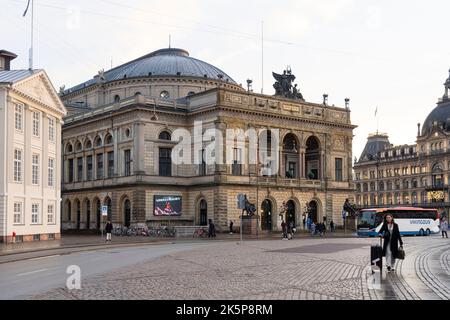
[{"x": 21, "y": 279}]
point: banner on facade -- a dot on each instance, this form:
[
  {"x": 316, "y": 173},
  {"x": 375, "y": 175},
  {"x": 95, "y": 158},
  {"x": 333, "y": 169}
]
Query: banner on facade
[{"x": 167, "y": 206}]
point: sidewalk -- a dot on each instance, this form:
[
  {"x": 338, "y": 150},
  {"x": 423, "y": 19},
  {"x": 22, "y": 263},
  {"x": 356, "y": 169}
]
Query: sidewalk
[{"x": 77, "y": 243}]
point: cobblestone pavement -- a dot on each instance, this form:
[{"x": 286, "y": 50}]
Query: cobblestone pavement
[{"x": 302, "y": 269}]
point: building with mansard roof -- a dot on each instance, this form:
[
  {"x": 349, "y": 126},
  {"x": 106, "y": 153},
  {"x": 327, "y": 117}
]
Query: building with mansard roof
[
  {"x": 119, "y": 139},
  {"x": 415, "y": 175}
]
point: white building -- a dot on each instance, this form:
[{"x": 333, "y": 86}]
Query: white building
[{"x": 30, "y": 152}]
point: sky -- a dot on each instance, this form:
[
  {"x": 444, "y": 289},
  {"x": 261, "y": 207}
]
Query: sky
[{"x": 393, "y": 56}]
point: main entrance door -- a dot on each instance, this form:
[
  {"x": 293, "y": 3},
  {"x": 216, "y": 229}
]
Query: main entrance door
[
  {"x": 313, "y": 213},
  {"x": 266, "y": 218},
  {"x": 203, "y": 213},
  {"x": 127, "y": 213},
  {"x": 290, "y": 214}
]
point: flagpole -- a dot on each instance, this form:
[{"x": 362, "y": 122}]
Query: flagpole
[{"x": 32, "y": 34}]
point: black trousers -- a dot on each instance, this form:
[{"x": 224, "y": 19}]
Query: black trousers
[{"x": 444, "y": 233}]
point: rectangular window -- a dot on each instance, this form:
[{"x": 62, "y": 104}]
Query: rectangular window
[
  {"x": 127, "y": 156},
  {"x": 51, "y": 172},
  {"x": 100, "y": 166},
  {"x": 19, "y": 117},
  {"x": 18, "y": 215},
  {"x": 34, "y": 213},
  {"x": 17, "y": 165},
  {"x": 237, "y": 162},
  {"x": 165, "y": 162},
  {"x": 70, "y": 170},
  {"x": 80, "y": 169},
  {"x": 89, "y": 168},
  {"x": 110, "y": 164},
  {"x": 35, "y": 170},
  {"x": 51, "y": 129},
  {"x": 202, "y": 166},
  {"x": 50, "y": 213},
  {"x": 36, "y": 124},
  {"x": 338, "y": 169}
]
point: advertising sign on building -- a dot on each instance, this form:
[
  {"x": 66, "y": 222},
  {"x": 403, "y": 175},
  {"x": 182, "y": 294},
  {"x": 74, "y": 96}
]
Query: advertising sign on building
[{"x": 167, "y": 206}]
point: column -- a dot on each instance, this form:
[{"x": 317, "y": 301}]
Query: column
[{"x": 116, "y": 151}]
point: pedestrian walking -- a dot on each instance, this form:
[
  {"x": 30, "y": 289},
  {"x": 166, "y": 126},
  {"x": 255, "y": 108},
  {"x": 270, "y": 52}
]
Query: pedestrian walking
[
  {"x": 284, "y": 228},
  {"x": 231, "y": 227},
  {"x": 331, "y": 226},
  {"x": 444, "y": 227},
  {"x": 212, "y": 229},
  {"x": 108, "y": 230},
  {"x": 313, "y": 228},
  {"x": 391, "y": 235}
]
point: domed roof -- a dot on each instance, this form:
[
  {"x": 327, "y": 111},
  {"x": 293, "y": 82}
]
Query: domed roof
[
  {"x": 164, "y": 62},
  {"x": 441, "y": 114}
]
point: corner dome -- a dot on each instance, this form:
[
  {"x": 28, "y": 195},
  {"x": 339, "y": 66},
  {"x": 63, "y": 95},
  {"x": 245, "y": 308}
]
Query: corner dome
[
  {"x": 440, "y": 116},
  {"x": 164, "y": 62}
]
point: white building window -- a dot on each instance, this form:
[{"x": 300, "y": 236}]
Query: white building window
[
  {"x": 18, "y": 117},
  {"x": 34, "y": 213},
  {"x": 51, "y": 129},
  {"x": 35, "y": 170},
  {"x": 17, "y": 165},
  {"x": 36, "y": 124},
  {"x": 51, "y": 172},
  {"x": 18, "y": 214},
  {"x": 50, "y": 213}
]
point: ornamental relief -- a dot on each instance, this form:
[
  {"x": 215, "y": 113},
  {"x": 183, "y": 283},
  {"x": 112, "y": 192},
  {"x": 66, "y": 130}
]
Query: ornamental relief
[{"x": 338, "y": 143}]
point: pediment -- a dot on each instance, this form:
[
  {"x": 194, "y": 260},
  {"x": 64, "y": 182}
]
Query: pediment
[{"x": 39, "y": 89}]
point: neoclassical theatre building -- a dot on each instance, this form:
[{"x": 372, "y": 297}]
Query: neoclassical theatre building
[
  {"x": 118, "y": 145},
  {"x": 408, "y": 175}
]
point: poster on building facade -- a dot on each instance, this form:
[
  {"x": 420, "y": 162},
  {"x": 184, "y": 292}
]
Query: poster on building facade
[{"x": 167, "y": 206}]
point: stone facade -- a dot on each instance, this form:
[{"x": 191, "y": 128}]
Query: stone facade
[{"x": 314, "y": 138}]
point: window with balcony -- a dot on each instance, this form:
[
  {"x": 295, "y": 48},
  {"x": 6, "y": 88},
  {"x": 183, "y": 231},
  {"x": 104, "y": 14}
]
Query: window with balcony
[
  {"x": 237, "y": 162},
  {"x": 165, "y": 162},
  {"x": 70, "y": 168},
  {"x": 100, "y": 168},
  {"x": 127, "y": 162},
  {"x": 110, "y": 164},
  {"x": 80, "y": 169},
  {"x": 89, "y": 167}
]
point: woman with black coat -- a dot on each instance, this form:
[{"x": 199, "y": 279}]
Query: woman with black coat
[{"x": 391, "y": 234}]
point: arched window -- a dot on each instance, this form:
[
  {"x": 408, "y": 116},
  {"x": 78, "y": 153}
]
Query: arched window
[
  {"x": 381, "y": 186},
  {"x": 88, "y": 144},
  {"x": 98, "y": 142},
  {"x": 137, "y": 94},
  {"x": 313, "y": 159},
  {"x": 78, "y": 146},
  {"x": 69, "y": 148},
  {"x": 366, "y": 187},
  {"x": 438, "y": 176},
  {"x": 166, "y": 136},
  {"x": 109, "y": 140},
  {"x": 290, "y": 143},
  {"x": 358, "y": 187},
  {"x": 116, "y": 98}
]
